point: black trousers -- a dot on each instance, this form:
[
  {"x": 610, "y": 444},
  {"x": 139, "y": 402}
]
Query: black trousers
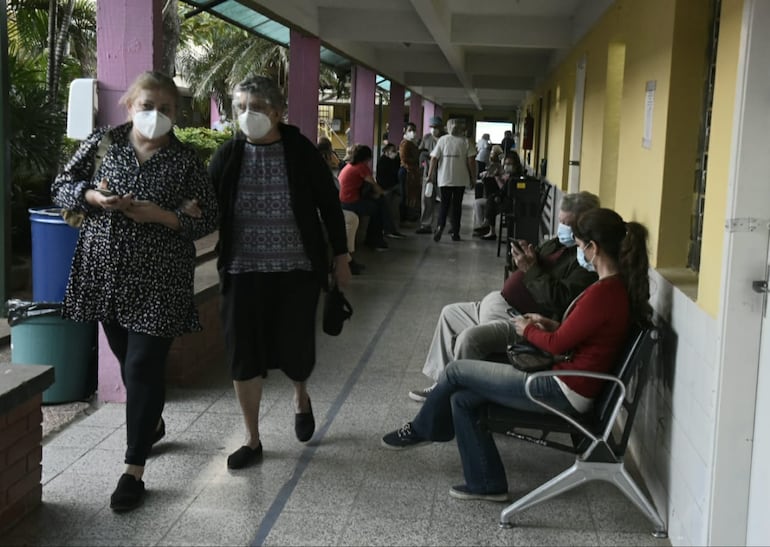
[
  {"x": 451, "y": 200},
  {"x": 142, "y": 359}
]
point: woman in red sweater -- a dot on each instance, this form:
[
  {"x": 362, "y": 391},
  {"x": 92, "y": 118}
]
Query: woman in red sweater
[{"x": 593, "y": 331}]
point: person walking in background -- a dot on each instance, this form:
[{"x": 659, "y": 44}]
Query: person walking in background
[
  {"x": 453, "y": 168},
  {"x": 277, "y": 198},
  {"x": 508, "y": 144},
  {"x": 134, "y": 263},
  {"x": 594, "y": 331},
  {"x": 483, "y": 148},
  {"x": 428, "y": 194},
  {"x": 409, "y": 174}
]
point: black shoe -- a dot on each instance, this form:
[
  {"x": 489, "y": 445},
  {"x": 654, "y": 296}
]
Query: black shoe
[
  {"x": 395, "y": 235},
  {"x": 128, "y": 495},
  {"x": 378, "y": 245},
  {"x": 304, "y": 423},
  {"x": 355, "y": 267},
  {"x": 455, "y": 237},
  {"x": 244, "y": 457},
  {"x": 159, "y": 432},
  {"x": 404, "y": 437},
  {"x": 489, "y": 237},
  {"x": 424, "y": 230},
  {"x": 437, "y": 234}
]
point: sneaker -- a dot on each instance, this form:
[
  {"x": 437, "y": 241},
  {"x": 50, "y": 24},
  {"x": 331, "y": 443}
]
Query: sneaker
[
  {"x": 395, "y": 235},
  {"x": 128, "y": 495},
  {"x": 420, "y": 395},
  {"x": 424, "y": 230},
  {"x": 405, "y": 437},
  {"x": 437, "y": 234},
  {"x": 461, "y": 492}
]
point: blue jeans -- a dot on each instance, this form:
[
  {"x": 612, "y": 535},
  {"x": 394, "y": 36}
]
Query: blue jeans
[
  {"x": 379, "y": 217},
  {"x": 454, "y": 406}
]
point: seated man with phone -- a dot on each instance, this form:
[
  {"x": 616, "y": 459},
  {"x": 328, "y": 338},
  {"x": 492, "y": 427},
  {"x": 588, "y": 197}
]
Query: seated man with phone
[{"x": 544, "y": 280}]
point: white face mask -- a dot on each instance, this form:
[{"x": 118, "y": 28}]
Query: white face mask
[
  {"x": 152, "y": 124},
  {"x": 508, "y": 168},
  {"x": 254, "y": 125},
  {"x": 435, "y": 131},
  {"x": 581, "y": 258}
]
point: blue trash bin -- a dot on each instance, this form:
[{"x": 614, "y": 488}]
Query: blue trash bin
[{"x": 53, "y": 245}]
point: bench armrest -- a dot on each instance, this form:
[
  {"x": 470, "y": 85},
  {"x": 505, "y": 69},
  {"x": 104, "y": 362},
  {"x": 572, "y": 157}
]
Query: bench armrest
[{"x": 584, "y": 374}]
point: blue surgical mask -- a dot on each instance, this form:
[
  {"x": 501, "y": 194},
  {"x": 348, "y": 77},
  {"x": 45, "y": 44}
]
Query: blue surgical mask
[
  {"x": 581, "y": 258},
  {"x": 564, "y": 233}
]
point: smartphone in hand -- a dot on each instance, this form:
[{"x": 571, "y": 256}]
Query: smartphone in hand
[
  {"x": 513, "y": 312},
  {"x": 105, "y": 192},
  {"x": 517, "y": 245}
]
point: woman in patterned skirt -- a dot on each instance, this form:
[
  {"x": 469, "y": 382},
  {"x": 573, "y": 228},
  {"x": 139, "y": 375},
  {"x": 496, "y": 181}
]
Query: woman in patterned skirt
[
  {"x": 277, "y": 198},
  {"x": 145, "y": 203}
]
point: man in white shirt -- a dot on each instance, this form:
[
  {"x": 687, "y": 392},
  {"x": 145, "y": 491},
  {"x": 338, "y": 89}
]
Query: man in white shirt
[{"x": 453, "y": 168}]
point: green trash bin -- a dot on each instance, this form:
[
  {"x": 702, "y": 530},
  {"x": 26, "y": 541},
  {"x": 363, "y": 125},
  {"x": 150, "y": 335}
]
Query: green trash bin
[{"x": 40, "y": 336}]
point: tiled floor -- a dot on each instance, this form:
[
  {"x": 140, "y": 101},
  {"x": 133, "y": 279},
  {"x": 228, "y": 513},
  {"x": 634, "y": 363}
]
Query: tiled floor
[{"x": 341, "y": 488}]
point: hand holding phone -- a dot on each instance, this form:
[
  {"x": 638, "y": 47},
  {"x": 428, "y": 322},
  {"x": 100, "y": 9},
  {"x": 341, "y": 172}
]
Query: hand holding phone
[{"x": 516, "y": 245}]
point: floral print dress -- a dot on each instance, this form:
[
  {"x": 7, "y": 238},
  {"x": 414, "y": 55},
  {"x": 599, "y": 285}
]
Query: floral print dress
[{"x": 138, "y": 275}]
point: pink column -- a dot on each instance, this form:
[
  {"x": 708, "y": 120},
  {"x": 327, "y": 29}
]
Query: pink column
[
  {"x": 213, "y": 112},
  {"x": 362, "y": 107},
  {"x": 415, "y": 112},
  {"x": 129, "y": 40},
  {"x": 396, "y": 117},
  {"x": 304, "y": 68},
  {"x": 429, "y": 110}
]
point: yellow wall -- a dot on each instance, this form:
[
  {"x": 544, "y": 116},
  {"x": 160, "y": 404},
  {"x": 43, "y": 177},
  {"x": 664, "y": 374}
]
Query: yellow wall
[
  {"x": 637, "y": 41},
  {"x": 710, "y": 278}
]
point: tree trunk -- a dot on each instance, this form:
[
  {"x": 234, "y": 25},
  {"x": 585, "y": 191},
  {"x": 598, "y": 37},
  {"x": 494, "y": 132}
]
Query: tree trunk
[
  {"x": 171, "y": 31},
  {"x": 61, "y": 44},
  {"x": 52, "y": 12}
]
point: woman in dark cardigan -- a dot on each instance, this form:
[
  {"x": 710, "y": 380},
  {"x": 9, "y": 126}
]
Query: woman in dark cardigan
[{"x": 277, "y": 199}]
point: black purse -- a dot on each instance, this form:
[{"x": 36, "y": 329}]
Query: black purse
[
  {"x": 337, "y": 310},
  {"x": 528, "y": 358}
]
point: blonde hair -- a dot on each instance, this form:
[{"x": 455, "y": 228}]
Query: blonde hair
[{"x": 150, "y": 80}]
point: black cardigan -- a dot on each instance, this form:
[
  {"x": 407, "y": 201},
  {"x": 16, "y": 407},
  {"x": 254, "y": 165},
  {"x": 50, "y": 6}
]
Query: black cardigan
[{"x": 312, "y": 193}]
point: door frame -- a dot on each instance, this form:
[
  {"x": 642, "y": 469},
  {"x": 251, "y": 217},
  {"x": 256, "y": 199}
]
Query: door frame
[
  {"x": 740, "y": 311},
  {"x": 576, "y": 137}
]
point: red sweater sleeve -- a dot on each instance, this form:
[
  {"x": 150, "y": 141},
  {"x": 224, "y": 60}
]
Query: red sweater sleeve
[{"x": 595, "y": 331}]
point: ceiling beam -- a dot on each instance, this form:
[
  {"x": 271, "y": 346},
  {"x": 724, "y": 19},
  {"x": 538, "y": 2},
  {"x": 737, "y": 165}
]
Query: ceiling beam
[
  {"x": 510, "y": 31},
  {"x": 355, "y": 25},
  {"x": 437, "y": 24},
  {"x": 434, "y": 79}
]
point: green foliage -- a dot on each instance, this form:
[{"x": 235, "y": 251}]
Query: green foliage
[{"x": 204, "y": 141}]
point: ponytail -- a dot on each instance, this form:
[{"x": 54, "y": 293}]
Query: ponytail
[
  {"x": 634, "y": 269},
  {"x": 626, "y": 243}
]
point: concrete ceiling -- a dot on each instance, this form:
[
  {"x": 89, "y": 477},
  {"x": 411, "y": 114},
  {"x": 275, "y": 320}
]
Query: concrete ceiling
[{"x": 481, "y": 54}]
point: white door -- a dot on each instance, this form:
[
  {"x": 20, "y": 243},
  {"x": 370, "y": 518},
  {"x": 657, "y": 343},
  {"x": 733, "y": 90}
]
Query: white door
[
  {"x": 576, "y": 142},
  {"x": 739, "y": 500},
  {"x": 758, "y": 528}
]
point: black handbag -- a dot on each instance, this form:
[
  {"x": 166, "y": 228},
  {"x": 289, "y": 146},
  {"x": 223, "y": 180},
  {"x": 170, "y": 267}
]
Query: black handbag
[
  {"x": 337, "y": 309},
  {"x": 528, "y": 358}
]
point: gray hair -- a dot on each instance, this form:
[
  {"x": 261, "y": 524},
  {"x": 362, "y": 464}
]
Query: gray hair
[
  {"x": 263, "y": 87},
  {"x": 456, "y": 127},
  {"x": 579, "y": 202}
]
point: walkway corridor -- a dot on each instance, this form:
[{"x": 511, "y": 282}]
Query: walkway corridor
[{"x": 341, "y": 488}]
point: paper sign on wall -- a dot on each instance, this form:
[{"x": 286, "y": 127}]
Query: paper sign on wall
[{"x": 649, "y": 106}]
